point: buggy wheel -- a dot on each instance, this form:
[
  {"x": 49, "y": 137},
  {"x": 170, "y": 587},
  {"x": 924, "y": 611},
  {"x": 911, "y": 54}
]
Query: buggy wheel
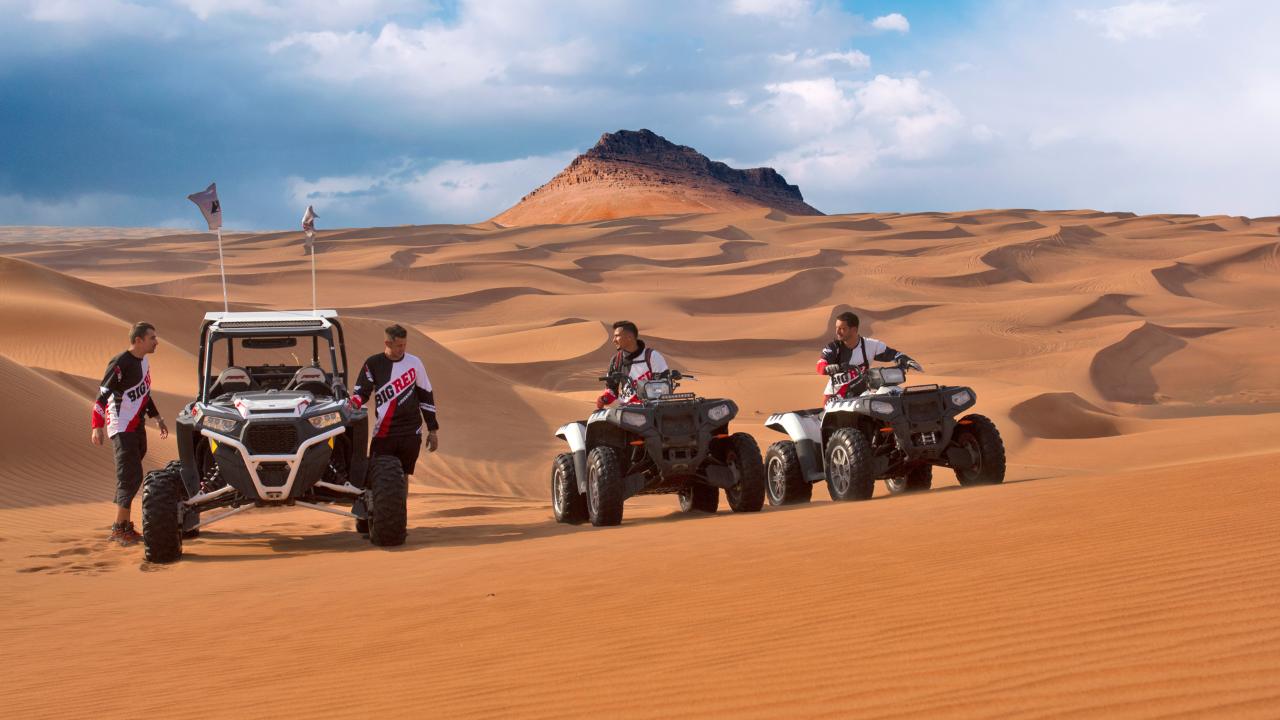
[
  {"x": 388, "y": 502},
  {"x": 697, "y": 497},
  {"x": 604, "y": 487},
  {"x": 979, "y": 436},
  {"x": 744, "y": 457},
  {"x": 784, "y": 478},
  {"x": 568, "y": 505},
  {"x": 918, "y": 478},
  {"x": 161, "y": 515},
  {"x": 849, "y": 474}
]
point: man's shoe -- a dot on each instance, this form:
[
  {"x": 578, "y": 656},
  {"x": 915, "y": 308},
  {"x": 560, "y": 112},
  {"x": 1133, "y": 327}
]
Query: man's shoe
[
  {"x": 124, "y": 534},
  {"x": 134, "y": 535},
  {"x": 121, "y": 534}
]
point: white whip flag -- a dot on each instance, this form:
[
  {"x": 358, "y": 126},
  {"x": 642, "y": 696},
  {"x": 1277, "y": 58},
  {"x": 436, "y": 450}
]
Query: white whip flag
[
  {"x": 309, "y": 227},
  {"x": 209, "y": 206}
]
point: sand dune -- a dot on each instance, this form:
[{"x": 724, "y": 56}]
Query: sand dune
[{"x": 1127, "y": 569}]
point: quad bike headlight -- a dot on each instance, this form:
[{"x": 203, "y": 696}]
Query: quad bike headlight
[
  {"x": 961, "y": 397},
  {"x": 718, "y": 413},
  {"x": 633, "y": 419},
  {"x": 881, "y": 407},
  {"x": 213, "y": 422},
  {"x": 326, "y": 420}
]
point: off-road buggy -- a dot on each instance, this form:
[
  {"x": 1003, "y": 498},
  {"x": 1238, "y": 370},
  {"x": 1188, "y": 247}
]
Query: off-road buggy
[
  {"x": 889, "y": 432},
  {"x": 272, "y": 431},
  {"x": 669, "y": 442}
]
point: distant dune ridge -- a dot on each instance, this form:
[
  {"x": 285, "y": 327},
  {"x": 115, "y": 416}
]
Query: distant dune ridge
[{"x": 638, "y": 172}]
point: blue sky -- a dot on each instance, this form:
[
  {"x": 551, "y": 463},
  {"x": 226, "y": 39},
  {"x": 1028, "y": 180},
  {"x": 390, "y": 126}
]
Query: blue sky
[{"x": 388, "y": 112}]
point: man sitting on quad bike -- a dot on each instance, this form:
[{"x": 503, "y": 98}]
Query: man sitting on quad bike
[
  {"x": 633, "y": 361},
  {"x": 846, "y": 359}
]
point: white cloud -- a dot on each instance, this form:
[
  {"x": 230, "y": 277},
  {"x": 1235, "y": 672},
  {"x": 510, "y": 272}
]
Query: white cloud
[
  {"x": 450, "y": 191},
  {"x": 814, "y": 60},
  {"x": 301, "y": 13},
  {"x": 101, "y": 17},
  {"x": 893, "y": 21},
  {"x": 771, "y": 8},
  {"x": 88, "y": 209},
  {"x": 1142, "y": 19}
]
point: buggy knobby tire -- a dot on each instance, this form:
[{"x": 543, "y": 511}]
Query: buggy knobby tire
[
  {"x": 744, "y": 457},
  {"x": 978, "y": 435},
  {"x": 567, "y": 504},
  {"x": 916, "y": 479},
  {"x": 849, "y": 470},
  {"x": 784, "y": 477},
  {"x": 604, "y": 487},
  {"x": 388, "y": 501},
  {"x": 161, "y": 515},
  {"x": 700, "y": 498}
]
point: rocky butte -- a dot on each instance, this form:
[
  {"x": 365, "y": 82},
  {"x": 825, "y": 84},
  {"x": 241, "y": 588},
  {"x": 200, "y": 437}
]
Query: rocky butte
[{"x": 639, "y": 173}]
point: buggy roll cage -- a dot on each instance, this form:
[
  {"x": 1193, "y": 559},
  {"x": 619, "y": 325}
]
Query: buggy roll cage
[{"x": 231, "y": 325}]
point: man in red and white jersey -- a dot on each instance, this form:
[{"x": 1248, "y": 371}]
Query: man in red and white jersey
[
  {"x": 846, "y": 359},
  {"x": 634, "y": 361},
  {"x": 402, "y": 399},
  {"x": 124, "y": 398}
]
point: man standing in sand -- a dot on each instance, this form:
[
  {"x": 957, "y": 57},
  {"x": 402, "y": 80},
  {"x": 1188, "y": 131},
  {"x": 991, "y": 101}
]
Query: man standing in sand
[
  {"x": 846, "y": 359},
  {"x": 123, "y": 398},
  {"x": 634, "y": 361},
  {"x": 403, "y": 399}
]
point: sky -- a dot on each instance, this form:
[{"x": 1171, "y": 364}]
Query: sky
[{"x": 393, "y": 112}]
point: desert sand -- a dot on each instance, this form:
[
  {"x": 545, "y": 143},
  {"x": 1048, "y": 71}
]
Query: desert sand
[{"x": 1129, "y": 567}]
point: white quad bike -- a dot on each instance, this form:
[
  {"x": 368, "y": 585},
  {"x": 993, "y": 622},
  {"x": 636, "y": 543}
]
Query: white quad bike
[
  {"x": 889, "y": 432},
  {"x": 668, "y": 443}
]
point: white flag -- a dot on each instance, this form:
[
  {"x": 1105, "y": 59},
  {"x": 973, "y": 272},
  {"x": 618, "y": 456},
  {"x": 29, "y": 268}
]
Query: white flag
[
  {"x": 309, "y": 227},
  {"x": 209, "y": 206}
]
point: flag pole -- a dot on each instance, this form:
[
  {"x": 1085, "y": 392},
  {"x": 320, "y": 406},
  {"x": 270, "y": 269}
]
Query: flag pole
[
  {"x": 311, "y": 238},
  {"x": 222, "y": 269}
]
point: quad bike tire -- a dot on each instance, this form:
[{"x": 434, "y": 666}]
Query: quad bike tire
[
  {"x": 918, "y": 479},
  {"x": 784, "y": 477},
  {"x": 849, "y": 468},
  {"x": 700, "y": 498},
  {"x": 979, "y": 436},
  {"x": 743, "y": 456},
  {"x": 567, "y": 504},
  {"x": 161, "y": 520},
  {"x": 604, "y": 487},
  {"x": 388, "y": 502}
]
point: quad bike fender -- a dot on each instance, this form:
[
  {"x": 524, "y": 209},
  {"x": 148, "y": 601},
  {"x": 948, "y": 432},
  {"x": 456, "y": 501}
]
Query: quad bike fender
[
  {"x": 575, "y": 435},
  {"x": 805, "y": 430},
  {"x": 798, "y": 427}
]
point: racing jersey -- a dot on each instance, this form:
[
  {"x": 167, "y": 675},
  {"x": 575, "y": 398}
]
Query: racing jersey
[
  {"x": 401, "y": 392},
  {"x": 124, "y": 395},
  {"x": 638, "y": 366},
  {"x": 858, "y": 357}
]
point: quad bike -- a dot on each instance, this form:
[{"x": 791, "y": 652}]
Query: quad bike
[
  {"x": 664, "y": 442},
  {"x": 271, "y": 435},
  {"x": 890, "y": 432}
]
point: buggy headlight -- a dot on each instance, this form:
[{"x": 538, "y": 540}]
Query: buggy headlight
[
  {"x": 213, "y": 422},
  {"x": 634, "y": 419},
  {"x": 881, "y": 407},
  {"x": 718, "y": 412},
  {"x": 961, "y": 397},
  {"x": 325, "y": 420}
]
